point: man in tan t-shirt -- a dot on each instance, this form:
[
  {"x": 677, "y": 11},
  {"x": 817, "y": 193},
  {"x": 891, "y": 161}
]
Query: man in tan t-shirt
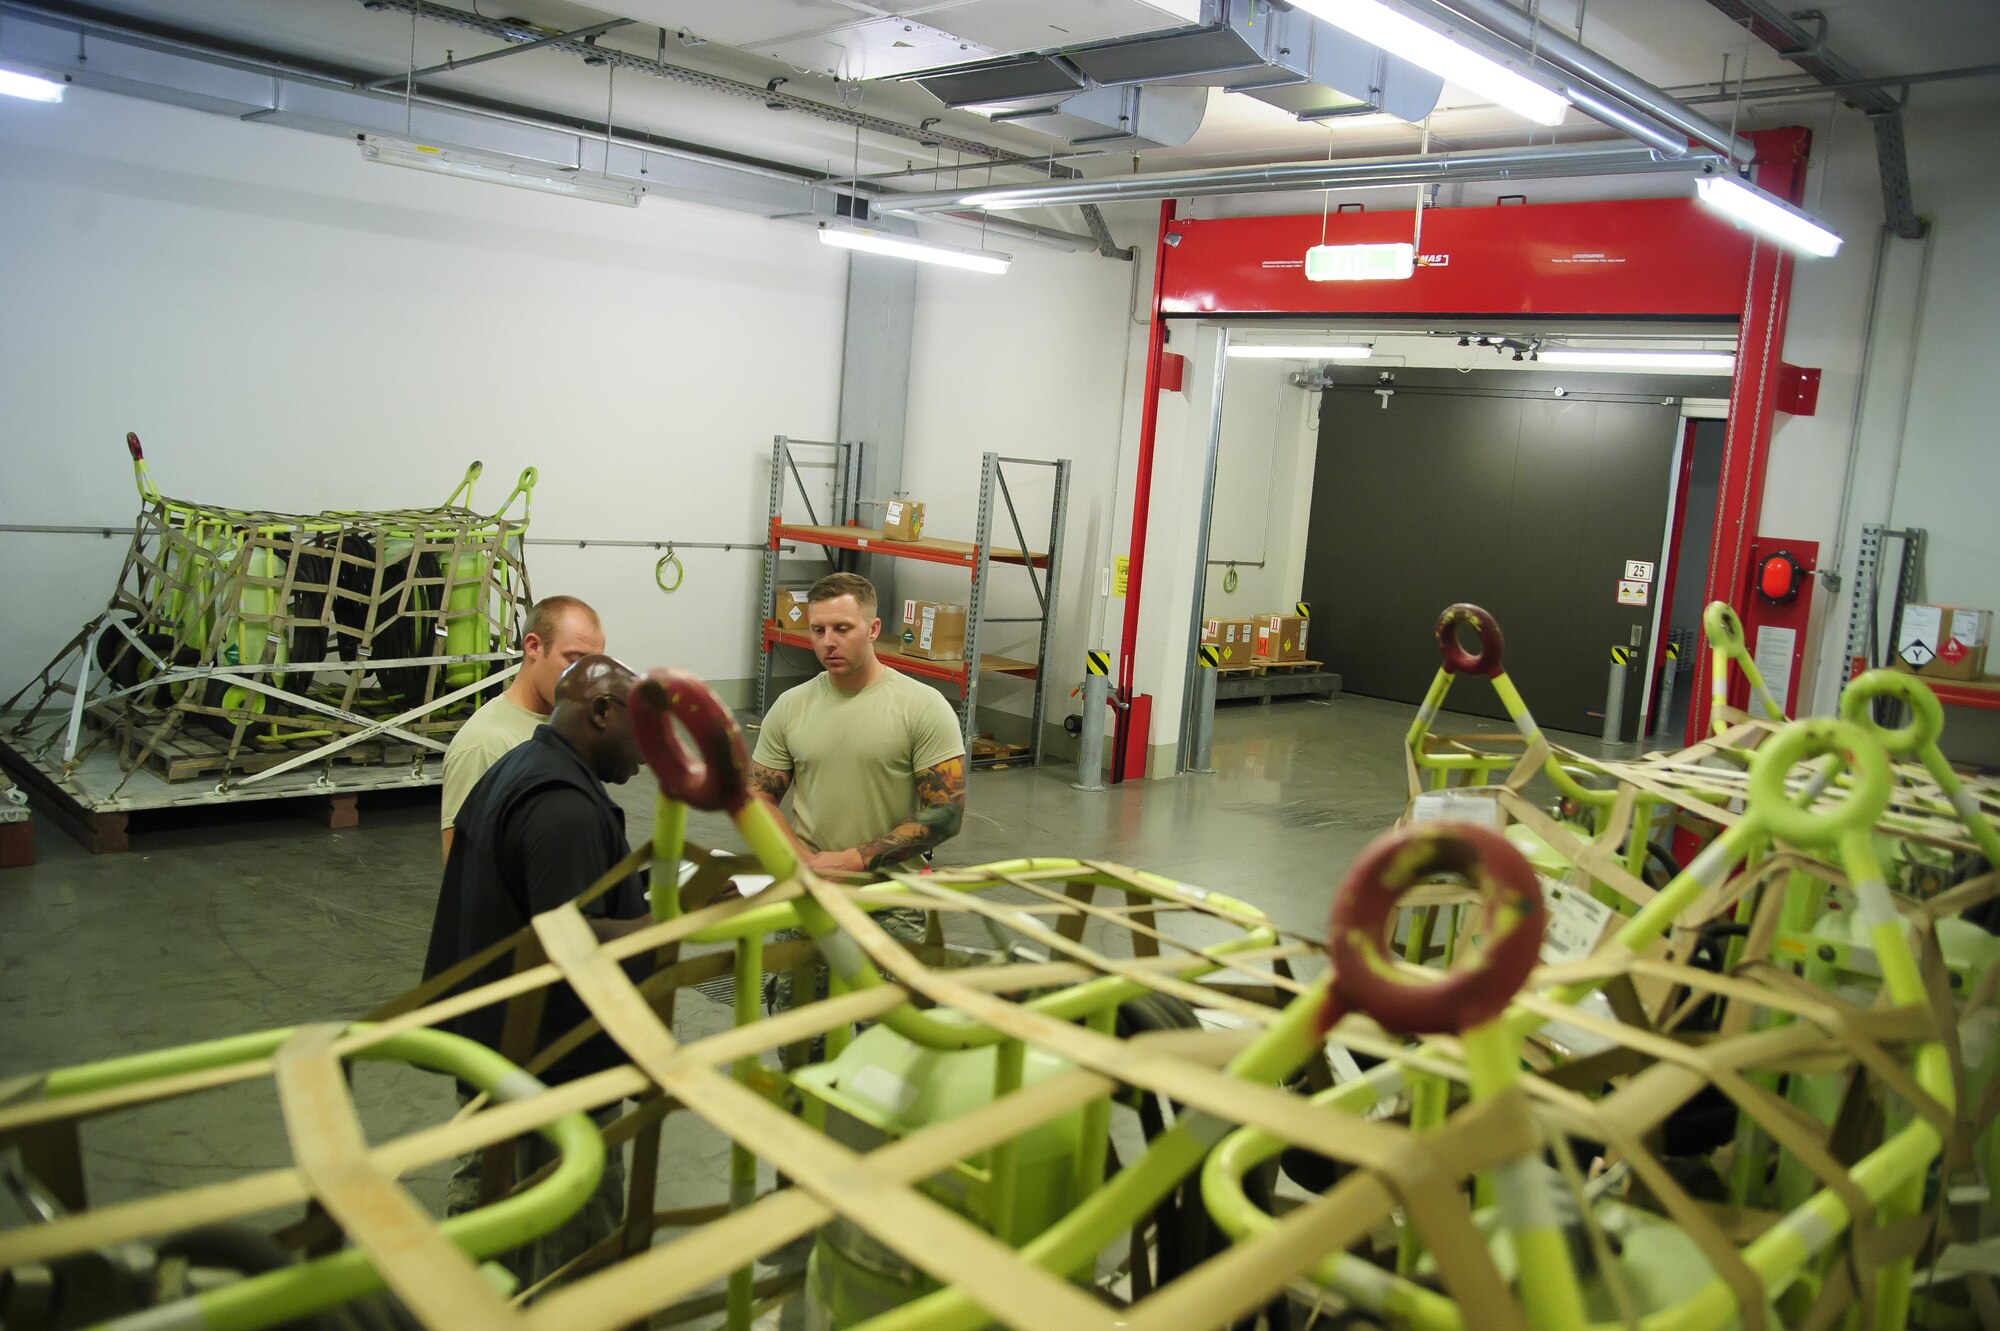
[
  {"x": 561, "y": 631},
  {"x": 873, "y": 759}
]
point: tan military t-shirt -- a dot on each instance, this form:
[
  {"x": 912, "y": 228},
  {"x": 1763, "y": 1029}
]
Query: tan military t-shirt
[
  {"x": 854, "y": 757},
  {"x": 488, "y": 734}
]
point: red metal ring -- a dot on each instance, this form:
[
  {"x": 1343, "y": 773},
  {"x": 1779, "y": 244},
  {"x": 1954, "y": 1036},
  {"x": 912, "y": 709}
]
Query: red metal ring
[
  {"x": 132, "y": 445},
  {"x": 716, "y": 776},
  {"x": 1457, "y": 660},
  {"x": 1358, "y": 931}
]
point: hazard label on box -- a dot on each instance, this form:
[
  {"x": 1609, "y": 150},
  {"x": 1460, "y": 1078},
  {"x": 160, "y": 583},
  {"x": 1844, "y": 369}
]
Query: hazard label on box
[{"x": 1633, "y": 592}]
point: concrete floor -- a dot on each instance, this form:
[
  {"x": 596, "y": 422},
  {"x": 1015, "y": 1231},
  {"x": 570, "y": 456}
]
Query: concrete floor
[{"x": 246, "y": 923}]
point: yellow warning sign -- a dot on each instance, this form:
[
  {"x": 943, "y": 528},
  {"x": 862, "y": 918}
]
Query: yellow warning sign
[
  {"x": 1673, "y": 651},
  {"x": 1211, "y": 655},
  {"x": 1621, "y": 656},
  {"x": 1305, "y": 611},
  {"x": 1121, "y": 570},
  {"x": 1098, "y": 663}
]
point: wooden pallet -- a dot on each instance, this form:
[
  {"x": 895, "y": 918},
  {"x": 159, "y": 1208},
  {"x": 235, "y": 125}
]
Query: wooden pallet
[
  {"x": 1249, "y": 668},
  {"x": 95, "y": 803},
  {"x": 986, "y": 749},
  {"x": 1291, "y": 667},
  {"x": 193, "y": 750}
]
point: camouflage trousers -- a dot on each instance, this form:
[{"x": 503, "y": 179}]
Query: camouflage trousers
[
  {"x": 903, "y": 923},
  {"x": 594, "y": 1222}
]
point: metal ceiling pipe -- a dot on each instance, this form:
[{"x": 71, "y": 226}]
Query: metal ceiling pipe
[
  {"x": 1002, "y": 227},
  {"x": 1579, "y": 62},
  {"x": 1655, "y": 133},
  {"x": 1595, "y": 159}
]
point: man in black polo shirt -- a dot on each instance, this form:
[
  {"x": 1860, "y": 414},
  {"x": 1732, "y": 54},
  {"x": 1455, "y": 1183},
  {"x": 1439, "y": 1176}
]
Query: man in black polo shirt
[{"x": 538, "y": 829}]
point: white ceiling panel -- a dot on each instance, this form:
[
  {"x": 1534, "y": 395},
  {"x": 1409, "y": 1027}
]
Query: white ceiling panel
[{"x": 1040, "y": 25}]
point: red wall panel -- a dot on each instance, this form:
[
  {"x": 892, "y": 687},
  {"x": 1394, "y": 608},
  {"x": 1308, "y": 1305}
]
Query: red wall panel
[{"x": 1649, "y": 258}]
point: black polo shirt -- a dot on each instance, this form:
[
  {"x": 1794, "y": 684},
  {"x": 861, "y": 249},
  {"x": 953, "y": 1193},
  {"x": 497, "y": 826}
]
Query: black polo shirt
[{"x": 536, "y": 831}]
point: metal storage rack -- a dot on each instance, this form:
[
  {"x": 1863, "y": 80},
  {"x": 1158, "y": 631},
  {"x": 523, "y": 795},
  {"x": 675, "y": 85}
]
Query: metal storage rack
[{"x": 842, "y": 538}]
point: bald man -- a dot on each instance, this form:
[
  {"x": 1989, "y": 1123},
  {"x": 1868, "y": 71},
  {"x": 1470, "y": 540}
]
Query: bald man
[{"x": 537, "y": 829}]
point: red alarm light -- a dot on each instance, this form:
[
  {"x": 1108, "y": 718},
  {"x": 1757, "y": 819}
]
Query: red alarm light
[{"x": 1779, "y": 577}]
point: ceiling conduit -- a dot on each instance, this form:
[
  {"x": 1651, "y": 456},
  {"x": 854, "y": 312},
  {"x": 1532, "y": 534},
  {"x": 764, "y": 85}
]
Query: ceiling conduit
[
  {"x": 1521, "y": 36},
  {"x": 183, "y": 69},
  {"x": 1807, "y": 50},
  {"x": 1592, "y": 159}
]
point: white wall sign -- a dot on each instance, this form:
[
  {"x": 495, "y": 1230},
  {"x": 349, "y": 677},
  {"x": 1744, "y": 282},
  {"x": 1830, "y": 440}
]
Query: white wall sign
[
  {"x": 1774, "y": 662},
  {"x": 1634, "y": 592},
  {"x": 1918, "y": 635},
  {"x": 1638, "y": 570}
]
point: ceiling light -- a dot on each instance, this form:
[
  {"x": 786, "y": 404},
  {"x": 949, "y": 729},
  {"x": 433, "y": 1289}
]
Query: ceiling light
[
  {"x": 1292, "y": 351},
  {"x": 1691, "y": 362},
  {"x": 472, "y": 164},
  {"x": 870, "y": 241},
  {"x": 1400, "y": 35},
  {"x": 1361, "y": 263},
  {"x": 1766, "y": 212},
  {"x": 29, "y": 87}
]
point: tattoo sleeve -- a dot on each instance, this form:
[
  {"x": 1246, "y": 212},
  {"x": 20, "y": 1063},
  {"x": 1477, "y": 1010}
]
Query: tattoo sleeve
[
  {"x": 769, "y": 781},
  {"x": 940, "y": 813}
]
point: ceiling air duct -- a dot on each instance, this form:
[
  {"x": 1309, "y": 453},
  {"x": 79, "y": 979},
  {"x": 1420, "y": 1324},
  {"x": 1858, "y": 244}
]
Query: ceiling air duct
[{"x": 1151, "y": 89}]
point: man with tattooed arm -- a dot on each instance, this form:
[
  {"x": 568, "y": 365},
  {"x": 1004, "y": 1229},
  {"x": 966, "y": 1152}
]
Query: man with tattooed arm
[{"x": 872, "y": 759}]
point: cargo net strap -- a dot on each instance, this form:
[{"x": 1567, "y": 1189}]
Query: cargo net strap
[{"x": 1582, "y": 1112}]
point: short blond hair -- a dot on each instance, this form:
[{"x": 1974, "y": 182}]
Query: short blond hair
[
  {"x": 835, "y": 585},
  {"x": 546, "y": 615}
]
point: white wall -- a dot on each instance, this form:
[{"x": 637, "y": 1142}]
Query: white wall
[
  {"x": 1245, "y": 510},
  {"x": 1026, "y": 365},
  {"x": 1924, "y": 451},
  {"x": 291, "y": 328}
]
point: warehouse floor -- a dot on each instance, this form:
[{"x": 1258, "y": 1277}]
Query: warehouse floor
[{"x": 246, "y": 924}]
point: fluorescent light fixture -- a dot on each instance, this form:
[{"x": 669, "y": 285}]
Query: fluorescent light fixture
[
  {"x": 1401, "y": 35},
  {"x": 870, "y": 241},
  {"x": 1361, "y": 263},
  {"x": 29, "y": 87},
  {"x": 1766, "y": 212},
  {"x": 1293, "y": 351},
  {"x": 498, "y": 169},
  {"x": 1689, "y": 362}
]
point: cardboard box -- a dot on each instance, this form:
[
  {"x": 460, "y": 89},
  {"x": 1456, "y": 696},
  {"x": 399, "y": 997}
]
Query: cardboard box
[
  {"x": 1237, "y": 639},
  {"x": 1943, "y": 642},
  {"x": 933, "y": 631},
  {"x": 903, "y": 520},
  {"x": 792, "y": 609},
  {"x": 1281, "y": 638}
]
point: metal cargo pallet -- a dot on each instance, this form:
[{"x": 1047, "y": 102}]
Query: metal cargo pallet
[
  {"x": 1264, "y": 683},
  {"x": 94, "y": 799}
]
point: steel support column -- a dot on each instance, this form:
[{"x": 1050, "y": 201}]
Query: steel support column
[
  {"x": 875, "y": 343},
  {"x": 1142, "y": 493},
  {"x": 1780, "y": 167}
]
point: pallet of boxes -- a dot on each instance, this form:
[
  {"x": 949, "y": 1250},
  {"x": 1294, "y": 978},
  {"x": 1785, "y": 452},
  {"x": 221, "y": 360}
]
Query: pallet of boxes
[
  {"x": 1235, "y": 643},
  {"x": 1281, "y": 643},
  {"x": 1945, "y": 643}
]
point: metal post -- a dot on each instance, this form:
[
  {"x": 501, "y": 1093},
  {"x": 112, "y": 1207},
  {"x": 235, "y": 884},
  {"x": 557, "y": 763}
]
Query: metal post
[
  {"x": 1614, "y": 695},
  {"x": 1058, "y": 514},
  {"x": 1201, "y": 742},
  {"x": 1668, "y": 669},
  {"x": 1090, "y": 741},
  {"x": 768, "y": 603},
  {"x": 975, "y": 608}
]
